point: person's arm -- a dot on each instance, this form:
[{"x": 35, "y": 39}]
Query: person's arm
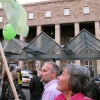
[
  {"x": 31, "y": 85},
  {"x": 15, "y": 75}
]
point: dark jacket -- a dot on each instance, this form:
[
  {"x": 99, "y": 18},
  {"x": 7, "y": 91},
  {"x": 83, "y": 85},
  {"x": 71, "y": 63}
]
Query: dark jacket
[
  {"x": 95, "y": 91},
  {"x": 7, "y": 93},
  {"x": 36, "y": 87}
]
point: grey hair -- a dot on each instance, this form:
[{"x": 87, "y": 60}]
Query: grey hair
[
  {"x": 79, "y": 80},
  {"x": 55, "y": 67}
]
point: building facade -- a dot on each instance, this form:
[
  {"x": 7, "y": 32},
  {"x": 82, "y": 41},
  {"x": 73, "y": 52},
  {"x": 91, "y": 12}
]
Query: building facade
[{"x": 61, "y": 20}]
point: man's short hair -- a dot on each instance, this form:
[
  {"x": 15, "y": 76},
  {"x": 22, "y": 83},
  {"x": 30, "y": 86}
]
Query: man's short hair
[
  {"x": 34, "y": 72},
  {"x": 55, "y": 67}
]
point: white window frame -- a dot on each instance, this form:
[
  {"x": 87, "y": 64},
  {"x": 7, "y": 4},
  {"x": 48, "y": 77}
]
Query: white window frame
[
  {"x": 88, "y": 63},
  {"x": 66, "y": 11},
  {"x": 1, "y": 19},
  {"x": 48, "y": 13},
  {"x": 70, "y": 61},
  {"x": 30, "y": 15},
  {"x": 86, "y": 10}
]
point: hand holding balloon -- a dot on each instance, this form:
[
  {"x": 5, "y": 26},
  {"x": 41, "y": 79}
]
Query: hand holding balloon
[{"x": 8, "y": 32}]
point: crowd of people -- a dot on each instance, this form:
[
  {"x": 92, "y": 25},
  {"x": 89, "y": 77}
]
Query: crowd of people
[{"x": 74, "y": 83}]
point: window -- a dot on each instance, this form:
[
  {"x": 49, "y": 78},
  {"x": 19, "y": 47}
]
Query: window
[
  {"x": 88, "y": 64},
  {"x": 1, "y": 19},
  {"x": 66, "y": 11},
  {"x": 48, "y": 14},
  {"x": 85, "y": 10},
  {"x": 70, "y": 62},
  {"x": 30, "y": 16}
]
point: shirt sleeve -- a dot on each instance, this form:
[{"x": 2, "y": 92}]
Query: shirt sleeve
[{"x": 48, "y": 95}]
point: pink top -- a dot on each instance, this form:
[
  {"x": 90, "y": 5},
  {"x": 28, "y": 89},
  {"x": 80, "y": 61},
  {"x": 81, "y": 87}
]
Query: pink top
[{"x": 78, "y": 96}]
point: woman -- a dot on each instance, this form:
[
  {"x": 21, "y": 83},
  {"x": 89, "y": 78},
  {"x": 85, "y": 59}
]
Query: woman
[
  {"x": 95, "y": 91},
  {"x": 7, "y": 93},
  {"x": 74, "y": 83},
  {"x": 5, "y": 85}
]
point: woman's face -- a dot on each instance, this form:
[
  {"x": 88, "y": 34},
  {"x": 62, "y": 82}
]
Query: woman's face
[{"x": 63, "y": 81}]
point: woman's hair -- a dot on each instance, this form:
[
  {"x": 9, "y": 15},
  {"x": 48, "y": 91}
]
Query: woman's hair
[{"x": 79, "y": 80}]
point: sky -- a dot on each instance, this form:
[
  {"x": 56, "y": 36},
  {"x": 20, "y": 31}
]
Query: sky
[{"x": 29, "y": 1}]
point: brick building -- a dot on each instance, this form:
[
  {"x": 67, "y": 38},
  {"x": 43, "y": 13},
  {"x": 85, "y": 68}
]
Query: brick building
[{"x": 61, "y": 20}]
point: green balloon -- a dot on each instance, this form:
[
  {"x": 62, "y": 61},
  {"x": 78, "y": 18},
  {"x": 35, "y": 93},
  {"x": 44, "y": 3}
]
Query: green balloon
[{"x": 8, "y": 32}]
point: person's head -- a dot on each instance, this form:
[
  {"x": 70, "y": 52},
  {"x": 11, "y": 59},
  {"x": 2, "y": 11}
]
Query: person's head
[
  {"x": 18, "y": 69},
  {"x": 11, "y": 67},
  {"x": 49, "y": 72},
  {"x": 34, "y": 72},
  {"x": 74, "y": 79}
]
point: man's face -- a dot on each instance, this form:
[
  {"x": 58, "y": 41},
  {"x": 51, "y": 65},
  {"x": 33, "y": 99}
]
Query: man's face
[{"x": 46, "y": 73}]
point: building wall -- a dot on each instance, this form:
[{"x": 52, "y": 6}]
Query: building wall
[{"x": 56, "y": 7}]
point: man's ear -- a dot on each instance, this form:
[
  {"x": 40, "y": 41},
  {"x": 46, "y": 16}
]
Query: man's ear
[{"x": 54, "y": 74}]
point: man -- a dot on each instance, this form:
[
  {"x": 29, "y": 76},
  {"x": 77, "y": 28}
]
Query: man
[
  {"x": 36, "y": 87},
  {"x": 95, "y": 91},
  {"x": 48, "y": 75},
  {"x": 19, "y": 74}
]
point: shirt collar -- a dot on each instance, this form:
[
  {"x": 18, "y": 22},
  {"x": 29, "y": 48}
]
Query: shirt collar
[{"x": 49, "y": 83}]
